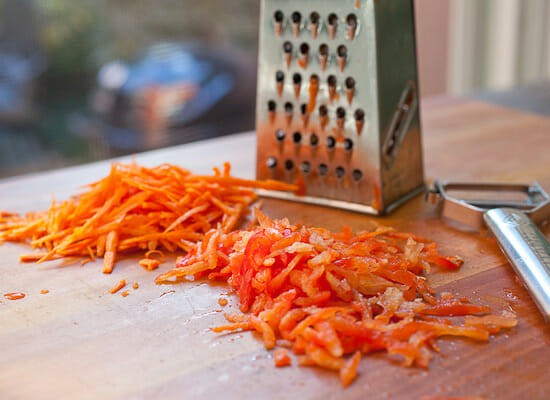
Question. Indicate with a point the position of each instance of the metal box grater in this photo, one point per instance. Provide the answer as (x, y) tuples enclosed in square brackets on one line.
[(337, 103)]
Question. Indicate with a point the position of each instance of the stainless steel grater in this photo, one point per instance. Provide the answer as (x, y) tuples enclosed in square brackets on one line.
[(337, 103)]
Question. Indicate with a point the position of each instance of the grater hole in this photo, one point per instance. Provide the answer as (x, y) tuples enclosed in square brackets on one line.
[(303, 108), (304, 48), (314, 79), (332, 21), (289, 165), (323, 50), (271, 105), (289, 107), (314, 24), (348, 144), (280, 135), (342, 51), (340, 113), (331, 81), (297, 79), (314, 139), (359, 115), (323, 169), (351, 21), (279, 76), (323, 110), (297, 137), (296, 17), (305, 167), (278, 16), (287, 47), (357, 175), (314, 18), (340, 172), (271, 162), (350, 83), (331, 142)]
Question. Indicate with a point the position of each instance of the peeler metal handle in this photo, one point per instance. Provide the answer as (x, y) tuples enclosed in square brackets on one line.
[(527, 250)]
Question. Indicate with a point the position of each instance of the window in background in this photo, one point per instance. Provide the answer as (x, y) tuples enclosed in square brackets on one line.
[(93, 79)]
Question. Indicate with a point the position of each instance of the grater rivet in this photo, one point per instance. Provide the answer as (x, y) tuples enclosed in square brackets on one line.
[(305, 167), (278, 19), (348, 144), (303, 57), (323, 115), (332, 25), (331, 82), (280, 81), (289, 111), (287, 53), (357, 175), (359, 120), (305, 114), (297, 81), (297, 137), (331, 142), (296, 19), (280, 135), (340, 172), (351, 22), (340, 117), (271, 162), (350, 89), (289, 165), (313, 140), (323, 169), (323, 56), (314, 24), (342, 56)]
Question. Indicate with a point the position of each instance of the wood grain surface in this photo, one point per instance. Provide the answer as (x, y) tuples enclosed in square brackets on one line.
[(80, 342)]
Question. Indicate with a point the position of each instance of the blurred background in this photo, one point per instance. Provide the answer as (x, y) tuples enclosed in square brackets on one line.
[(92, 79)]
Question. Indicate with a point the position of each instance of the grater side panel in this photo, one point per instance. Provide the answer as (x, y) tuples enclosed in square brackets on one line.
[(346, 167), (361, 66), (402, 173)]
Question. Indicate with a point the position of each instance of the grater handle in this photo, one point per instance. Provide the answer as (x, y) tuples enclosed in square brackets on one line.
[(527, 250)]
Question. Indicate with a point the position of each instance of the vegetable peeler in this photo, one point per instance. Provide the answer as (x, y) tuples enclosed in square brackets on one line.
[(512, 218)]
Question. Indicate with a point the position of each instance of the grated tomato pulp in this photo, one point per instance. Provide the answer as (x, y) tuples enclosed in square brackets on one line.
[(333, 297)]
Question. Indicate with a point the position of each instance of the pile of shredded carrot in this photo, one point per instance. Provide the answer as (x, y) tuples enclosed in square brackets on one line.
[(134, 208), (332, 297)]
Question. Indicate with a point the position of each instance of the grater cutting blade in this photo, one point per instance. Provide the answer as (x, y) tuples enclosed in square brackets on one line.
[(337, 102)]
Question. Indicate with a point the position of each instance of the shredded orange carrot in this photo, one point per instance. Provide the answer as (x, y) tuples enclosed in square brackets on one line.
[(135, 286), (332, 297), (281, 357), (134, 208), (149, 264), (125, 293), (111, 245), (222, 301), (44, 291), (155, 255), (118, 286)]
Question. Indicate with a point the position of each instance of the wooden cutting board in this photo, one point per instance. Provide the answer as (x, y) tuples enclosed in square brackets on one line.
[(80, 342)]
